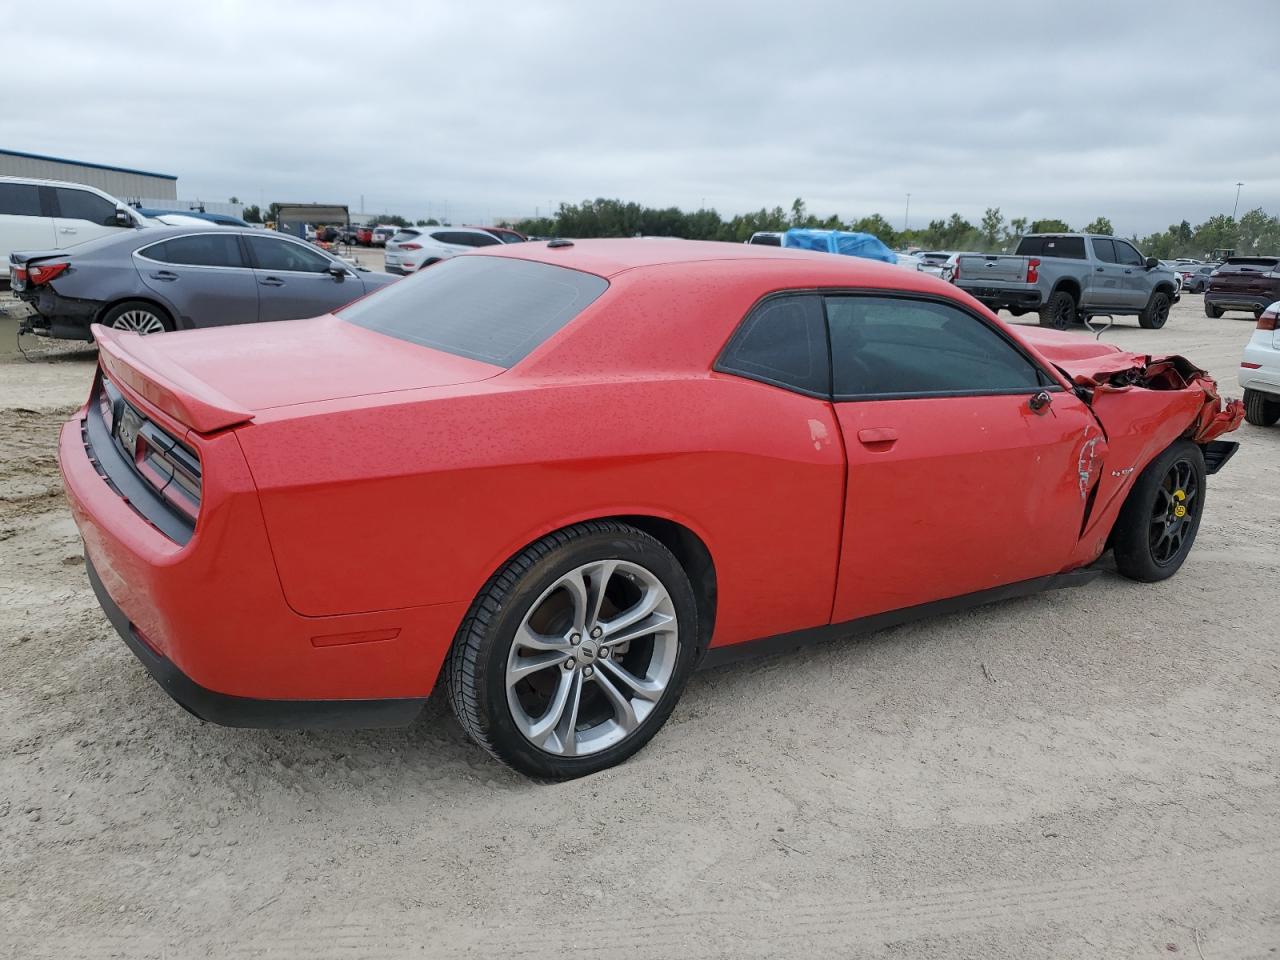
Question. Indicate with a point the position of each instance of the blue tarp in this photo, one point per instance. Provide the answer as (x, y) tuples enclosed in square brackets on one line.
[(840, 241)]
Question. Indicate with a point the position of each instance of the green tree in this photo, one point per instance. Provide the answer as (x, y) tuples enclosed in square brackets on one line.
[(992, 228), (1050, 226), (798, 213), (1017, 228), (252, 214), (1101, 225), (877, 226), (234, 200)]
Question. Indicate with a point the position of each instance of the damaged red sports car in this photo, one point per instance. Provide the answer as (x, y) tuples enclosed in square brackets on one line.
[(548, 480)]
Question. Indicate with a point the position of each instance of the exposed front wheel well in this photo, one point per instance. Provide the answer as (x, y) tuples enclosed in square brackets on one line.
[(693, 556)]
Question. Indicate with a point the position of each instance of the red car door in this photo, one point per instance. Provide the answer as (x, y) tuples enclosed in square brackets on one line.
[(957, 480)]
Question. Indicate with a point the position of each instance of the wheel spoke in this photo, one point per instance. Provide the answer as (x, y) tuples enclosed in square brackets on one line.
[(567, 728), (635, 620), (598, 582), (530, 639), (522, 667), (650, 690), (569, 687), (623, 712)]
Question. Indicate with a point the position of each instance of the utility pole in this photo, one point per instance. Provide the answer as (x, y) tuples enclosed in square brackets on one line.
[(907, 215), (1237, 206)]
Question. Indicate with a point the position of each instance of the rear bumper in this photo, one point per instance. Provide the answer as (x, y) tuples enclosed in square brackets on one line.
[(1228, 300), (233, 711), (1029, 299), (59, 316), (397, 270), (216, 629)]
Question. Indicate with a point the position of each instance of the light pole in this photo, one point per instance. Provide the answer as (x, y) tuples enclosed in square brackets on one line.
[(906, 216), (1237, 206)]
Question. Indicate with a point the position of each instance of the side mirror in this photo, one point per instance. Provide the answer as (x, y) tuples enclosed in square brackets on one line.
[(1152, 263), (337, 271), (123, 218)]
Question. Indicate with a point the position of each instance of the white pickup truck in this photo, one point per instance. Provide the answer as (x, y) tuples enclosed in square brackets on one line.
[(1067, 277)]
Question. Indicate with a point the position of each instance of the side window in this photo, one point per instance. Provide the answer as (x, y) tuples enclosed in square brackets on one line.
[(1070, 248), (19, 200), (1104, 250), (82, 205), (1128, 256), (200, 250), (782, 341), (270, 253), (895, 347)]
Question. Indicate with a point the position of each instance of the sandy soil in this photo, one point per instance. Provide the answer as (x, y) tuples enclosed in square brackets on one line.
[(1088, 773)]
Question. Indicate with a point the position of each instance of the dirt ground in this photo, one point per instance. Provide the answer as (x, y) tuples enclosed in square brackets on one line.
[(1087, 773)]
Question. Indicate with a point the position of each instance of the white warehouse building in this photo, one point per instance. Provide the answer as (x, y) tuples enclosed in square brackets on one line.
[(122, 183)]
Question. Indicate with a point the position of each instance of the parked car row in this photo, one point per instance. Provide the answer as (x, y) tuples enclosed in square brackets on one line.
[(178, 278)]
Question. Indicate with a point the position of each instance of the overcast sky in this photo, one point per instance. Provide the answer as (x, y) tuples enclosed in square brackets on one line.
[(1145, 113)]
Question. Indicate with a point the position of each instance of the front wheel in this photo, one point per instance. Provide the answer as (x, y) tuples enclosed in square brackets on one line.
[(1158, 523), (1261, 409), (1157, 312), (575, 652)]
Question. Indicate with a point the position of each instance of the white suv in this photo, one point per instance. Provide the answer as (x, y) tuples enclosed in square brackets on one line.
[(1260, 370), (416, 247), (52, 214)]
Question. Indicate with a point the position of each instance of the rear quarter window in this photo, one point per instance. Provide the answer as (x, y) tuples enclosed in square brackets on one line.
[(1071, 248), (492, 309)]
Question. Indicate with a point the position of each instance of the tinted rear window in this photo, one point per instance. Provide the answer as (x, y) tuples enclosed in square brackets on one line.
[(489, 309), (1071, 248), (19, 199), (1249, 264)]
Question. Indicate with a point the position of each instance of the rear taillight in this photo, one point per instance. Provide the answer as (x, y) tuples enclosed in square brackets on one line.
[(410, 246), (42, 273), (1033, 270), (1268, 319), (955, 272)]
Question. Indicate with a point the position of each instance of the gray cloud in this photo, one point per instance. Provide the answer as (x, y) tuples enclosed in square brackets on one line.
[(1143, 113)]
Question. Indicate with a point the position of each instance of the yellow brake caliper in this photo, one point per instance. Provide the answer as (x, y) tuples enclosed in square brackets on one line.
[(1179, 508)]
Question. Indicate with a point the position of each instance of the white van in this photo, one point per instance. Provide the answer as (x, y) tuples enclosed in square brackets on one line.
[(52, 214)]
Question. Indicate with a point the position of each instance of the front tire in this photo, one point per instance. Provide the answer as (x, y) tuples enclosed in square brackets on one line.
[(1261, 409), (1156, 313), (575, 652), (1160, 518), (138, 316), (1059, 311)]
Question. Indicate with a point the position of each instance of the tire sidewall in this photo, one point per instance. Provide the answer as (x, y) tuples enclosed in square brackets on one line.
[(1153, 320), (502, 731)]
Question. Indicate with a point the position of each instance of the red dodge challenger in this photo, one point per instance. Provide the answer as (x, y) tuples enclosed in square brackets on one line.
[(553, 478)]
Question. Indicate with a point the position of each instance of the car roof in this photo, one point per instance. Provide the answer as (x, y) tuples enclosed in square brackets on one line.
[(610, 257)]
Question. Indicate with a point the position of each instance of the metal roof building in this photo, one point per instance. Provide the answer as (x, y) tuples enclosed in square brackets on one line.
[(122, 183)]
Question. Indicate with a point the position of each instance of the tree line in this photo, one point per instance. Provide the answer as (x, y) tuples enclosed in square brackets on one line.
[(1256, 232)]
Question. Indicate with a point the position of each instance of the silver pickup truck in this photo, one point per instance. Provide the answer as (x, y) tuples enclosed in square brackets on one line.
[(1067, 277)]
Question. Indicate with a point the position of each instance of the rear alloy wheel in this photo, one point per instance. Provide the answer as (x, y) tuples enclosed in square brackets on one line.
[(1059, 312), (1160, 518), (1261, 409), (575, 653), (1156, 313), (137, 316), (1211, 311)]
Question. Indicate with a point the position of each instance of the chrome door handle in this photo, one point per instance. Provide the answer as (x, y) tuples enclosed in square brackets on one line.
[(67, 230)]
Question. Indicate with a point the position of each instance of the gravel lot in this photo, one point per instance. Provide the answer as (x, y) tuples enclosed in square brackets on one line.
[(1088, 773)]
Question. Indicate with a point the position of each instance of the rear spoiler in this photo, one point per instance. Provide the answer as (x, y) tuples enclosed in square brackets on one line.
[(135, 362)]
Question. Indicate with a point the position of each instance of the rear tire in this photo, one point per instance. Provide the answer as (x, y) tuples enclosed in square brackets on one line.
[(534, 676), (1160, 518), (1059, 312), (1211, 311), (1156, 313), (138, 316), (1261, 409)]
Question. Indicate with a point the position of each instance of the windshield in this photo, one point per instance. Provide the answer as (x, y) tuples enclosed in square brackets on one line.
[(492, 309)]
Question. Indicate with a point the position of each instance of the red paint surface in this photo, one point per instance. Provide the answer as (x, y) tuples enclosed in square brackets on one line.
[(360, 486)]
